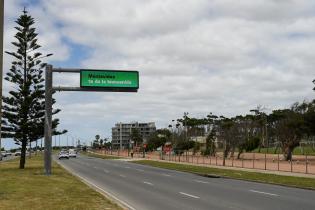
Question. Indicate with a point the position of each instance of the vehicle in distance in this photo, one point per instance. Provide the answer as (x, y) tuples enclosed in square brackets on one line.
[(63, 154), (17, 153), (8, 153), (72, 153)]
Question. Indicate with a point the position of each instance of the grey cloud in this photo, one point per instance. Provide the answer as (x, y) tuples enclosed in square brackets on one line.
[(198, 56)]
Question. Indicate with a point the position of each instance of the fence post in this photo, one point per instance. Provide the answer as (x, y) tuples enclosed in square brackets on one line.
[(306, 164), (278, 162), (233, 161), (197, 159), (265, 161), (242, 161), (203, 159), (216, 160), (254, 160), (210, 159)]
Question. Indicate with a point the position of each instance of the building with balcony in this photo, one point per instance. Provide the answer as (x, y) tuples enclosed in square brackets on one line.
[(122, 131)]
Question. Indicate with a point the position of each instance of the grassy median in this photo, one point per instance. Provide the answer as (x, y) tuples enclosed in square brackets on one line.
[(291, 181), (31, 189), (103, 156)]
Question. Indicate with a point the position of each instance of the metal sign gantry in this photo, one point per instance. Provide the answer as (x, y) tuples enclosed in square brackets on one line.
[(49, 89)]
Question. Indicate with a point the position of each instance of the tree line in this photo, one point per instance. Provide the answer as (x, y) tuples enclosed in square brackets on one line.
[(282, 128)]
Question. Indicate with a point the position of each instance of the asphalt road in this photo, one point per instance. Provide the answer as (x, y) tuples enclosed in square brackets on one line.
[(149, 188)]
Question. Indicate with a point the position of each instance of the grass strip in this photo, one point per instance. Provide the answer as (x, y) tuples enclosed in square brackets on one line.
[(103, 156), (29, 188), (291, 181)]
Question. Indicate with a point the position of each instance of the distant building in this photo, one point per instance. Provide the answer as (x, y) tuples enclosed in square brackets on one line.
[(121, 133)]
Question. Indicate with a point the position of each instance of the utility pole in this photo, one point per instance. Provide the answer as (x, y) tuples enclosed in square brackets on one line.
[(1, 64), (48, 119)]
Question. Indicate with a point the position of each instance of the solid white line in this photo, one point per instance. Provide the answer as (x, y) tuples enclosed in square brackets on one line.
[(255, 191), (122, 176), (106, 171), (166, 175), (149, 183), (104, 192), (199, 181), (193, 196), (140, 170)]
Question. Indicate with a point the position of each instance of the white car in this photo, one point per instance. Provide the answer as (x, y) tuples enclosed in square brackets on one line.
[(8, 153), (17, 153), (63, 154), (72, 153)]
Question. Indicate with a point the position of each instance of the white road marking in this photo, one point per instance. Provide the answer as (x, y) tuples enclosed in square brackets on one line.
[(127, 167), (192, 196), (90, 183), (122, 176), (95, 167), (199, 181), (255, 191), (106, 171), (149, 183), (166, 175), (140, 170)]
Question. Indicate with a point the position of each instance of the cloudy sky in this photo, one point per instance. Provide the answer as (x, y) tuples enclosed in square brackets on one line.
[(196, 56)]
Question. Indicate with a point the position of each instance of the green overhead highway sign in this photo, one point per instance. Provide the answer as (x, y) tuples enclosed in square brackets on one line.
[(109, 79), (91, 80)]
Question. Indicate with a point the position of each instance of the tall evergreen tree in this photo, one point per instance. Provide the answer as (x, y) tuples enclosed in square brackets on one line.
[(24, 107)]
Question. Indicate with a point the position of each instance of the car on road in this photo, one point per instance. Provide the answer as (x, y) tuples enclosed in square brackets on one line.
[(63, 155), (8, 153), (17, 153), (3, 154), (72, 153)]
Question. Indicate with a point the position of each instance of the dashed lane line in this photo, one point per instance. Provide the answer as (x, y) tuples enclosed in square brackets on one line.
[(148, 183), (199, 181), (189, 195), (261, 192)]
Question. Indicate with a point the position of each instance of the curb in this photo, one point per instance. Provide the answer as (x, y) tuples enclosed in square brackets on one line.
[(106, 194)]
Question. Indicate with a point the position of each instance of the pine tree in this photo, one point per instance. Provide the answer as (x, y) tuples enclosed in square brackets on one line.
[(24, 107)]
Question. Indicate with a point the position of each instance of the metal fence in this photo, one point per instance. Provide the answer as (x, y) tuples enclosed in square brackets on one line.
[(273, 162)]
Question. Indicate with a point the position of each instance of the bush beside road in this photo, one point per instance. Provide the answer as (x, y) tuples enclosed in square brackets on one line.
[(292, 181), (31, 189)]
